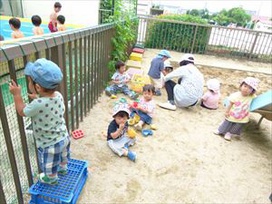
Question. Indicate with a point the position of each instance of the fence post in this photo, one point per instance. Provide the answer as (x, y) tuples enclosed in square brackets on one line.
[(192, 48), (253, 45), (9, 146), (58, 56), (21, 129), (2, 195)]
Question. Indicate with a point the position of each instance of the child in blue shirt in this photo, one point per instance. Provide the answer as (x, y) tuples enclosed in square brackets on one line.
[(156, 70), (119, 82), (47, 114), (117, 138)]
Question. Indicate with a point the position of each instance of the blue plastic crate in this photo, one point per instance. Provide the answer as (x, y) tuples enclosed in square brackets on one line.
[(68, 188)]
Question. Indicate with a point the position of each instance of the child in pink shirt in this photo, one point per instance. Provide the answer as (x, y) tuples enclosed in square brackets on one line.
[(210, 99), (145, 107)]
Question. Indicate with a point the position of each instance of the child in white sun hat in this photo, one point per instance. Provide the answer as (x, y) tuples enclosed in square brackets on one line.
[(237, 113), (210, 99), (117, 138)]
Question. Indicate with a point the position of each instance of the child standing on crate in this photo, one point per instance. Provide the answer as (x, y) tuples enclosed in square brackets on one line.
[(145, 108), (47, 114), (156, 70), (237, 113), (117, 138), (119, 82)]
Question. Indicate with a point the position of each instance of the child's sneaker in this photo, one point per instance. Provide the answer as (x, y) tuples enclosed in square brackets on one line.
[(216, 132), (228, 136), (158, 93), (63, 170), (108, 93), (47, 180), (134, 96), (132, 156)]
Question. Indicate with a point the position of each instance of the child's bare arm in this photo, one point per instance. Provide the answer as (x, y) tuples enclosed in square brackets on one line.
[(228, 109), (18, 100)]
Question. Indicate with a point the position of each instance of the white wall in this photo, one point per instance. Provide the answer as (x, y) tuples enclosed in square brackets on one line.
[(81, 12)]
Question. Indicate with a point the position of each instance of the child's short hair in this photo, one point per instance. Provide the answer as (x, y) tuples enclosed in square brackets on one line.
[(149, 88), (119, 64), (36, 20), (61, 19), (15, 22), (57, 5)]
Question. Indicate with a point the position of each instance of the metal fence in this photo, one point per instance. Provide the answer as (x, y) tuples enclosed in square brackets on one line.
[(83, 56), (205, 39)]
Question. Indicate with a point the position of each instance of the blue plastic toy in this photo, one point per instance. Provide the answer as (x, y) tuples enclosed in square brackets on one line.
[(147, 132)]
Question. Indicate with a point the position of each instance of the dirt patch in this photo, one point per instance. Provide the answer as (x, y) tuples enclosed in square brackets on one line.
[(183, 162)]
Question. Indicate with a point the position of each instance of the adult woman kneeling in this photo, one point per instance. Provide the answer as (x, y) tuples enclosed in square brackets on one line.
[(189, 88)]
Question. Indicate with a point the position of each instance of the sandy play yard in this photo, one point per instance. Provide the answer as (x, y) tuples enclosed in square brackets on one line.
[(183, 162)]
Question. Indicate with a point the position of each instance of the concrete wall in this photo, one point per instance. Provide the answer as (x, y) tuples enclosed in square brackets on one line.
[(82, 12)]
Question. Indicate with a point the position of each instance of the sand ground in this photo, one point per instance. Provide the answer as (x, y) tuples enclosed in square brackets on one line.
[(183, 162)]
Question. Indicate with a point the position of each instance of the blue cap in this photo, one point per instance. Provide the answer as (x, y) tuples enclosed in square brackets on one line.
[(165, 53), (44, 72)]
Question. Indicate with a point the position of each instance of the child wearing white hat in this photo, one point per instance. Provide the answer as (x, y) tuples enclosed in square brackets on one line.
[(210, 99), (237, 113), (117, 138)]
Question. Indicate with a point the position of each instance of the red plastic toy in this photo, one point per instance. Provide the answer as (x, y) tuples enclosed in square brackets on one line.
[(135, 104), (76, 134)]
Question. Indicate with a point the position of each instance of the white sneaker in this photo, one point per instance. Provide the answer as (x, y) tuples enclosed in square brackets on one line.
[(228, 136), (216, 132), (168, 106)]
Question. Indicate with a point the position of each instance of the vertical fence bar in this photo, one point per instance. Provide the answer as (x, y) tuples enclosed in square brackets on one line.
[(194, 39), (2, 195), (88, 72), (24, 140), (58, 56), (21, 129), (76, 81), (10, 150), (96, 65), (261, 48), (80, 79), (92, 71), (85, 75), (71, 87), (100, 67), (253, 45)]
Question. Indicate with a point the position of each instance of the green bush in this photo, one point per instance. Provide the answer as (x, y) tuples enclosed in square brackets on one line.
[(177, 36)]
